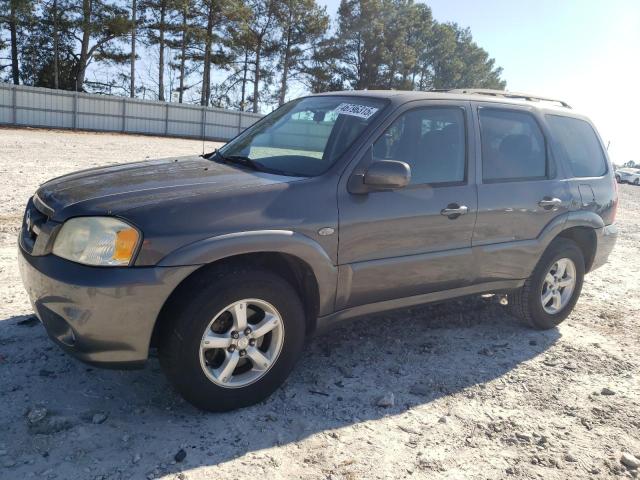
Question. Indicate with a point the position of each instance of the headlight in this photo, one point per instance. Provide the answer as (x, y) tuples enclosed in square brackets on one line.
[(104, 241)]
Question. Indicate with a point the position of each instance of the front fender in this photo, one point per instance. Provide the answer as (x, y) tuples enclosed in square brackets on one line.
[(263, 241)]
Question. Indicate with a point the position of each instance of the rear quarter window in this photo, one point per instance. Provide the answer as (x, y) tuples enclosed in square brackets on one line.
[(575, 141)]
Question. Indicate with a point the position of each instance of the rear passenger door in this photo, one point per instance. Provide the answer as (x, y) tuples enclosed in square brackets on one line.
[(520, 190), (417, 239)]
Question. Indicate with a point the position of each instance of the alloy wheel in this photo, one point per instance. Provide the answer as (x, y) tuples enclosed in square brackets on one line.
[(241, 343), (558, 285)]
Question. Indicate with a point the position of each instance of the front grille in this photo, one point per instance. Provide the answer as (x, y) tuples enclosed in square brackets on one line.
[(37, 231)]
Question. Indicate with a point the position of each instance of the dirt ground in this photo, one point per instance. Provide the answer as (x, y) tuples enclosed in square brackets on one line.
[(475, 395)]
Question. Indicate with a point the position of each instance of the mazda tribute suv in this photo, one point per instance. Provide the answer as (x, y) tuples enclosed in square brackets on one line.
[(333, 206)]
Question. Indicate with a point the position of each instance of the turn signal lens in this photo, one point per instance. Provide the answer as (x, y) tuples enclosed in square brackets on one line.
[(126, 241)]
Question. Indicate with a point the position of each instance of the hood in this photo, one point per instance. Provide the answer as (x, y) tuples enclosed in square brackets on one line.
[(118, 188)]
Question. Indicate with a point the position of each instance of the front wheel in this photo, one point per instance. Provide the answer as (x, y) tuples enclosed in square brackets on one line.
[(550, 293), (234, 341), (636, 181)]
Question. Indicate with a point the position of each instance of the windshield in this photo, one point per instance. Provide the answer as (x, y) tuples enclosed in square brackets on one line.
[(306, 136)]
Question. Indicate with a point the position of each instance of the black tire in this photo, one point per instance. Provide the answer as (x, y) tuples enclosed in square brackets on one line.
[(636, 182), (525, 303), (179, 343), (618, 179)]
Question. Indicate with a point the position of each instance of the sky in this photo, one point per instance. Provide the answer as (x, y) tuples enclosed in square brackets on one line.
[(584, 52)]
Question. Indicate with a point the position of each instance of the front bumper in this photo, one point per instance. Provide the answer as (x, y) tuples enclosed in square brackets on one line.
[(605, 241), (101, 315)]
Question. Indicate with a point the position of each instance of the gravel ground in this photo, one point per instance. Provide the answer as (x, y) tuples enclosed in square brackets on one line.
[(460, 390)]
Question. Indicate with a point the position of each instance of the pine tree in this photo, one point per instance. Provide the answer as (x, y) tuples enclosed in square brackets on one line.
[(260, 30), (302, 24), (397, 44), (360, 38), (240, 47), (97, 24), (209, 34), (132, 56), (322, 73), (46, 51), (158, 28), (183, 29), (17, 14)]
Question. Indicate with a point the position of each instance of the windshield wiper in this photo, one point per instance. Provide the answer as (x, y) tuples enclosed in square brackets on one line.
[(238, 160), (245, 161)]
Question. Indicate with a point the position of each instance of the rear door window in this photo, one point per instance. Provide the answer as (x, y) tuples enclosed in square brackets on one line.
[(575, 141), (513, 146)]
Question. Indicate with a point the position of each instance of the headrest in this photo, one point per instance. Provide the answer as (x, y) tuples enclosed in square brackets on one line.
[(516, 145)]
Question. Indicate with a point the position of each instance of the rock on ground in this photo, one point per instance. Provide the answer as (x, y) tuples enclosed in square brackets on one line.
[(630, 460)]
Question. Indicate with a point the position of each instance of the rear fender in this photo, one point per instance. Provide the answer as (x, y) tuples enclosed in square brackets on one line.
[(516, 260)]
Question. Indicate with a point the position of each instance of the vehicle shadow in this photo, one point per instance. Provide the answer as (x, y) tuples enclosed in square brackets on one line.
[(419, 355)]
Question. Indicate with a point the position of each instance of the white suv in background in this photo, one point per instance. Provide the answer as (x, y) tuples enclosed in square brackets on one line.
[(628, 175)]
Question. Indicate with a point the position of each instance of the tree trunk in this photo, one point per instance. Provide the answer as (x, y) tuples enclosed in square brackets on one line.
[(392, 74), (84, 47), (256, 77), (359, 63), (423, 77), (206, 75), (163, 11), (285, 65), (245, 69), (56, 47), (183, 50), (13, 28), (134, 28)]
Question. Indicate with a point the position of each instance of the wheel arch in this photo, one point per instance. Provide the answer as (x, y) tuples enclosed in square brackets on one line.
[(296, 258), (579, 227), (585, 238)]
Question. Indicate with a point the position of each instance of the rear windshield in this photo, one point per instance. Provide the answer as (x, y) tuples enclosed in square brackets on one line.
[(577, 144), (306, 136)]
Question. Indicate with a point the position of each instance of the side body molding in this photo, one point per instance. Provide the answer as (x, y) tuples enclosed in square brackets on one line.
[(263, 241)]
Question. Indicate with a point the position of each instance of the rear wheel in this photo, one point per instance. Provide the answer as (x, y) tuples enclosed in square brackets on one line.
[(618, 179), (636, 181), (235, 341), (550, 293)]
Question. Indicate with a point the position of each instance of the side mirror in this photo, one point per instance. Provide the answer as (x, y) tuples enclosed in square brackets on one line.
[(381, 175)]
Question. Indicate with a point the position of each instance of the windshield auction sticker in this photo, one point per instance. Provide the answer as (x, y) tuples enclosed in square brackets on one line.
[(354, 110)]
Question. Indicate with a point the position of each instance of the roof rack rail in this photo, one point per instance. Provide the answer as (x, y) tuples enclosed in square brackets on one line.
[(504, 94)]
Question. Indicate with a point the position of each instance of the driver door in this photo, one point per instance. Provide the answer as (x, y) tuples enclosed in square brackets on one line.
[(417, 239)]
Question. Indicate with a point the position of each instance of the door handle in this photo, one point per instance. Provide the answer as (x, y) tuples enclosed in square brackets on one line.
[(549, 203), (454, 210)]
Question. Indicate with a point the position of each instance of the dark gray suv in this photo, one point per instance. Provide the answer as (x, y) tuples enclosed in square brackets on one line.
[(333, 206)]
